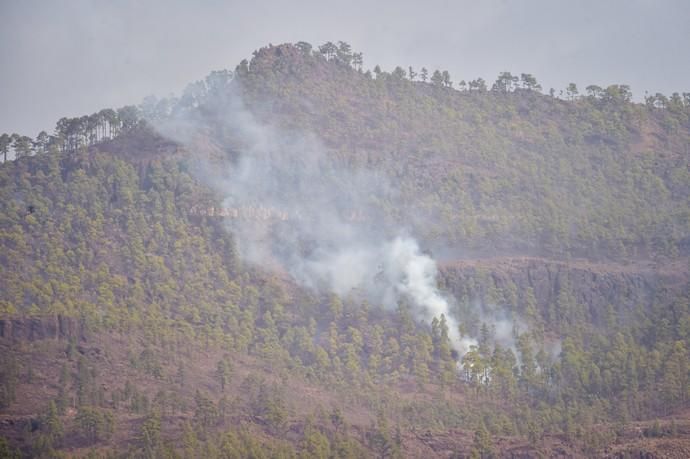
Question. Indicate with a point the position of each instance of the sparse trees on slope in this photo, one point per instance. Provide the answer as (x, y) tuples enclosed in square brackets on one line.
[(357, 61), (53, 423), (23, 146), (424, 74), (478, 85), (128, 116), (505, 82), (206, 413), (109, 117), (223, 372), (41, 142), (377, 71), (150, 435), (437, 78), (529, 82), (398, 73), (344, 53), (446, 79), (329, 50), (594, 91), (304, 47), (95, 424), (5, 142), (617, 93), (571, 91)]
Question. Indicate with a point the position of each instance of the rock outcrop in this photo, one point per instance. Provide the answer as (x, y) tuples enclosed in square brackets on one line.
[(40, 328)]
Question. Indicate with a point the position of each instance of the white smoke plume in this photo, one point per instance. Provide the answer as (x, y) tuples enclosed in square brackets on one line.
[(394, 269), (331, 225), (414, 274), (332, 232)]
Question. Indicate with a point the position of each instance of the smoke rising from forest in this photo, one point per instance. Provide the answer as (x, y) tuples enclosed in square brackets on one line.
[(330, 232)]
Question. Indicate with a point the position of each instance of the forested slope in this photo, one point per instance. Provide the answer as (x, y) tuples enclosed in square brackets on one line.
[(596, 175), (567, 218)]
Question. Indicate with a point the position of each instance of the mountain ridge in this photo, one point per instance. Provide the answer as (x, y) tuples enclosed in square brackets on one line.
[(550, 216)]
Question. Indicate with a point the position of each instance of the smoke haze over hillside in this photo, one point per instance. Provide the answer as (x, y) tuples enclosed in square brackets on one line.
[(319, 243)]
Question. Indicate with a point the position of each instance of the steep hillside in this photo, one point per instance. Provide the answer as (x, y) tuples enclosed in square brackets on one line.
[(159, 294), (518, 170)]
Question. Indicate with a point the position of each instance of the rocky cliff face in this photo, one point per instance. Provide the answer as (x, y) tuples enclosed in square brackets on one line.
[(592, 285), (39, 328)]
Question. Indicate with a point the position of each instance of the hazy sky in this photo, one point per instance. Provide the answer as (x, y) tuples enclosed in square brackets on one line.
[(74, 57)]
